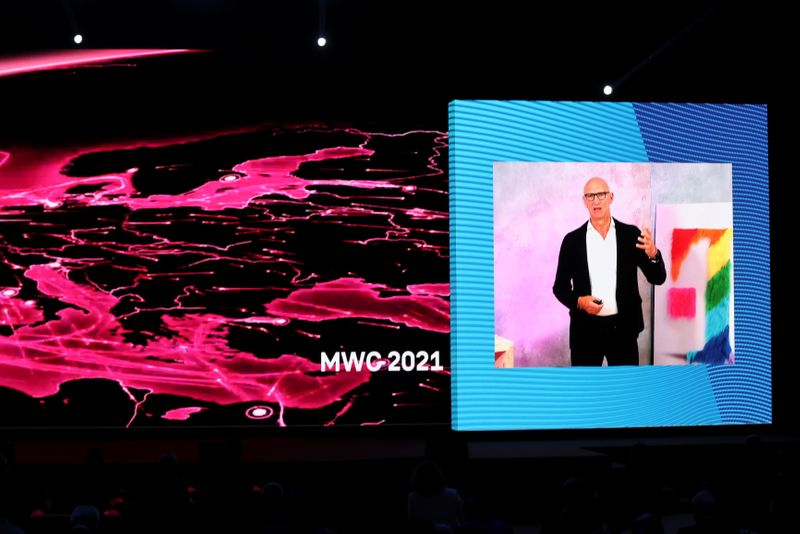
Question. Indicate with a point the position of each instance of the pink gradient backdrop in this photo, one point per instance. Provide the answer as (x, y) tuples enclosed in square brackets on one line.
[(535, 205)]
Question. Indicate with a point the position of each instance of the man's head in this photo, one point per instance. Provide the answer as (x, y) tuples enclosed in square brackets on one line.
[(598, 198)]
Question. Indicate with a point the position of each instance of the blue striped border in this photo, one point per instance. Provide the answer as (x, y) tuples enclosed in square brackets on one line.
[(735, 134), (485, 398)]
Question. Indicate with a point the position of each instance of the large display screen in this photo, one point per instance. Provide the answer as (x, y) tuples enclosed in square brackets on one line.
[(610, 265), (183, 247), (180, 251)]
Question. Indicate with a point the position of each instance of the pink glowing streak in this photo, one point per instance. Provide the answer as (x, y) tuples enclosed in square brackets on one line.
[(370, 323), (67, 59), (271, 175), (340, 413), (181, 414), (353, 297), (430, 289), (88, 343), (33, 169), (137, 404), (265, 176)]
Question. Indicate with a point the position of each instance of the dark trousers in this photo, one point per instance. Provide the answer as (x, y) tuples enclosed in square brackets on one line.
[(604, 337)]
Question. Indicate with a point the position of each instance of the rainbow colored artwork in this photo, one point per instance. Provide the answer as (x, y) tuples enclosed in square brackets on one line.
[(717, 348)]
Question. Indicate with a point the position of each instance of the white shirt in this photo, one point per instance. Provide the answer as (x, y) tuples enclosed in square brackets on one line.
[(601, 255)]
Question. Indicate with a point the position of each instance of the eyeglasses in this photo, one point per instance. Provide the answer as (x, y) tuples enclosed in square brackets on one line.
[(599, 196)]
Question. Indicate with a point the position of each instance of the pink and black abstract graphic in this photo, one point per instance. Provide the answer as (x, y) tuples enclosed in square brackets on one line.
[(196, 281)]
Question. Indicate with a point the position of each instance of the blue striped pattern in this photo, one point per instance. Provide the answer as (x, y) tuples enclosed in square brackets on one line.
[(557, 398), (736, 134), (485, 398)]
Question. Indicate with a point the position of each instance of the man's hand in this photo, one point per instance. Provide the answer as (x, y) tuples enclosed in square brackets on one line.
[(647, 244), (589, 304)]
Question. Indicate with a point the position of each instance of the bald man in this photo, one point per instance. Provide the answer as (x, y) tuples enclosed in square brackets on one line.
[(596, 280)]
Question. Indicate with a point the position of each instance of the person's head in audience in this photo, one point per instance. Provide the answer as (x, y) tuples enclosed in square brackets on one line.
[(427, 479), (84, 518), (704, 507), (272, 500)]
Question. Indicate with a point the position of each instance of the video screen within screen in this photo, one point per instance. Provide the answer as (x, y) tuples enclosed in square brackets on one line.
[(609, 265)]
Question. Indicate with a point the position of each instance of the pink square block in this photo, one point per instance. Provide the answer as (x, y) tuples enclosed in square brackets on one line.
[(681, 302)]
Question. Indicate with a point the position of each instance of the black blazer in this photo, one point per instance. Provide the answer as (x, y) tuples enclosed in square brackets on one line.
[(572, 280)]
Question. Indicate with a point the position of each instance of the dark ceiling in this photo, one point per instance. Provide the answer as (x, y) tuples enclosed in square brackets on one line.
[(678, 51)]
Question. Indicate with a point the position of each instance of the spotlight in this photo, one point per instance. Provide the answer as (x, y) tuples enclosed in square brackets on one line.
[(322, 42), (607, 90), (78, 38)]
